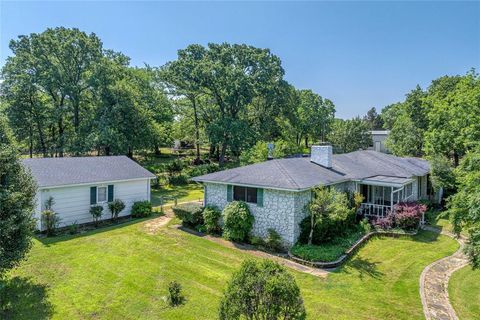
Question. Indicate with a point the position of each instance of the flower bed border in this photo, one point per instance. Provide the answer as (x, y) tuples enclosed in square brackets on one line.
[(351, 250)]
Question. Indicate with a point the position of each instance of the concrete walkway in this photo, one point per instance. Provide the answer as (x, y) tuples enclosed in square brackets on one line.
[(434, 283)]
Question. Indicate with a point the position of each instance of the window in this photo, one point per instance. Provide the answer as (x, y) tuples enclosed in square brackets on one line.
[(101, 194), (245, 194), (408, 190)]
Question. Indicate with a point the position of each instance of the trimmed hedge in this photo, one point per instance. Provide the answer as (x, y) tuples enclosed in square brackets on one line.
[(211, 219), (189, 213), (237, 221), (141, 209)]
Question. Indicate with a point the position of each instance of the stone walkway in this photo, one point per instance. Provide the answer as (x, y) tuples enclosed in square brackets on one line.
[(258, 253), (434, 283)]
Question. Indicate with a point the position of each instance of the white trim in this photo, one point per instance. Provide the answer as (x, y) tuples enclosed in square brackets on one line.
[(93, 183)]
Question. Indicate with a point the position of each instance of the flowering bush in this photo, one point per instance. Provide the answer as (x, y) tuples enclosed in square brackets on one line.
[(384, 223), (408, 214)]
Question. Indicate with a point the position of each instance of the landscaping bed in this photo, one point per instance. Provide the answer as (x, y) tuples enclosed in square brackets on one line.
[(332, 255)]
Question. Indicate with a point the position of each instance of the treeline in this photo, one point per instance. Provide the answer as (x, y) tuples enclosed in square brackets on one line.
[(65, 94)]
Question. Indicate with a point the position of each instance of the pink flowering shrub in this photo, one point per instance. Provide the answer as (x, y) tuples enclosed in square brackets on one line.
[(408, 214), (384, 223)]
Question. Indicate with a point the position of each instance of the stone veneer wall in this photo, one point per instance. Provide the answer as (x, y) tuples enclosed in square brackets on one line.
[(281, 211)]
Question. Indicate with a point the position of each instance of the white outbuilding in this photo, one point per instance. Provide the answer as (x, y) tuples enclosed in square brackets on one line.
[(77, 183)]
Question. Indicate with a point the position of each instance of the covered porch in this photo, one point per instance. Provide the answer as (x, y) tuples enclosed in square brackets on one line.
[(382, 193)]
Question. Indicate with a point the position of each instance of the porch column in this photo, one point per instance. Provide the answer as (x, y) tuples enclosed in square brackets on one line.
[(391, 200)]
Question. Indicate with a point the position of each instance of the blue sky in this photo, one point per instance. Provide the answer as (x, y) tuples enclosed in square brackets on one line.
[(358, 54)]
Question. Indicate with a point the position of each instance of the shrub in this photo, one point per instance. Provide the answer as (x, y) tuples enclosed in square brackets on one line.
[(273, 241), (115, 207), (211, 219), (50, 221), (330, 251), (408, 214), (237, 221), (262, 290), (73, 228), (180, 179), (189, 213), (175, 296), (141, 209), (257, 241), (384, 223), (365, 225), (96, 212)]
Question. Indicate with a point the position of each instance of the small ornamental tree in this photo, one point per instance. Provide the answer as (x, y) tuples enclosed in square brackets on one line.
[(237, 221), (262, 290), (115, 207), (96, 212), (17, 194), (327, 207)]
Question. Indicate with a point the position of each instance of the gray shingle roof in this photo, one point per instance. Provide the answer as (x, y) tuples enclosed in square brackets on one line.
[(301, 173), (50, 172)]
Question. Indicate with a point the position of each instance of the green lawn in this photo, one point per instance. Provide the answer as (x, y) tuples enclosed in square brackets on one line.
[(464, 292), (122, 273), (188, 192)]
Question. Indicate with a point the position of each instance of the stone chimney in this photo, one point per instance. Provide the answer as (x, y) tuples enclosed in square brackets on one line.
[(322, 155)]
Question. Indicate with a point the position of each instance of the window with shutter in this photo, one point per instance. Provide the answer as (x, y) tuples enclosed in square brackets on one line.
[(260, 197), (229, 193), (110, 192), (93, 195)]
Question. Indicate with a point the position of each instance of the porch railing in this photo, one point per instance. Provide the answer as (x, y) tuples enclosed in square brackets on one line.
[(376, 210)]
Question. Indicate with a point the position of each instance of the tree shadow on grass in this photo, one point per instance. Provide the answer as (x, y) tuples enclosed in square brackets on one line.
[(86, 231), (427, 236), (21, 298), (365, 268)]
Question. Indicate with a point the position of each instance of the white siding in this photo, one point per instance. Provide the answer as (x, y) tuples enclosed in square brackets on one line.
[(72, 204)]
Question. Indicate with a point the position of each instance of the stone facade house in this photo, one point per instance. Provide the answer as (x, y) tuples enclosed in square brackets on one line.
[(277, 191)]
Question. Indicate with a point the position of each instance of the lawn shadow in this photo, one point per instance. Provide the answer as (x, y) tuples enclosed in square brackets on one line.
[(124, 222), (21, 298), (427, 236), (364, 267)]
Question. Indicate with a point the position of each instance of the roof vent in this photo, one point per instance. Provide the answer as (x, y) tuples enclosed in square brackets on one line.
[(322, 155)]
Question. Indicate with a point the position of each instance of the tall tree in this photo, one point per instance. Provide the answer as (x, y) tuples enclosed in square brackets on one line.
[(464, 206), (17, 194), (182, 79), (350, 135), (454, 116), (407, 133), (314, 116), (374, 120), (232, 76)]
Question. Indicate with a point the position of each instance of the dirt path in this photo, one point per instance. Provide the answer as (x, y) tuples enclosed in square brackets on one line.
[(152, 226), (434, 283)]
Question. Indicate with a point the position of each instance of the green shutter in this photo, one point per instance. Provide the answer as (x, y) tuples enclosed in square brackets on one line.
[(260, 197), (229, 193), (110, 192), (93, 195)]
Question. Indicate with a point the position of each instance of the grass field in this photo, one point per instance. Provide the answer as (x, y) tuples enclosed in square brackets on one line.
[(188, 192), (464, 292), (122, 272)]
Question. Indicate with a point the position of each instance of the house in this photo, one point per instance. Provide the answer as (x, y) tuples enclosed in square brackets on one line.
[(77, 183), (378, 140), (277, 191)]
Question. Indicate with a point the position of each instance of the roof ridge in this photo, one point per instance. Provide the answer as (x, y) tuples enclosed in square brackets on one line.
[(284, 171)]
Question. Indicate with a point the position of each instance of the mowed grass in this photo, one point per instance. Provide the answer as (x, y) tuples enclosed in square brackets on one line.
[(464, 293), (123, 273), (183, 193)]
